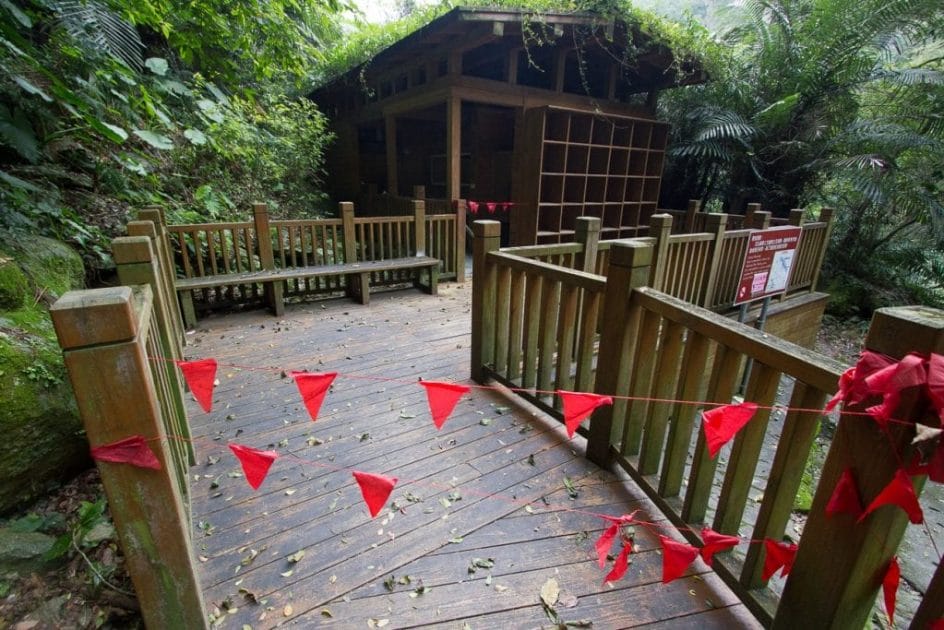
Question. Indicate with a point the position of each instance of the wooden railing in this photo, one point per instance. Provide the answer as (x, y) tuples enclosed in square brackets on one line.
[(119, 346), (665, 360), (203, 249), (701, 268)]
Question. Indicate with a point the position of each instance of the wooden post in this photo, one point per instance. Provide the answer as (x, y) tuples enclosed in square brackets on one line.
[(825, 216), (419, 192), (932, 604), (161, 244), (841, 563), (715, 224), (660, 227), (760, 220), (487, 238), (752, 209), (587, 233), (390, 136), (629, 268), (797, 216), (460, 239), (419, 227), (138, 263), (691, 213), (273, 290), (453, 148), (101, 334)]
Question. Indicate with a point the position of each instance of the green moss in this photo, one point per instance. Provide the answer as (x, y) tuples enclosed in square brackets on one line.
[(43, 440), (14, 287)]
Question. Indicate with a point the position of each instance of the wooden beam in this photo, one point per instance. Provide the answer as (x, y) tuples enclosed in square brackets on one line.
[(560, 68), (390, 136), (453, 147)]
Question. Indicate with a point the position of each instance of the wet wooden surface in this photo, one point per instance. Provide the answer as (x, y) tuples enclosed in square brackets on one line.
[(489, 487)]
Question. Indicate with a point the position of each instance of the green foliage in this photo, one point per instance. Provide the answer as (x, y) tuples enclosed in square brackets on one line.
[(93, 122)]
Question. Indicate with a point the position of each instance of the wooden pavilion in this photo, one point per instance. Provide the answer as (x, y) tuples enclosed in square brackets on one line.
[(549, 116)]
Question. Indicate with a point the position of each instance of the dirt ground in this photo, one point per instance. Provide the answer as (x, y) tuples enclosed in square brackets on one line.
[(71, 592)]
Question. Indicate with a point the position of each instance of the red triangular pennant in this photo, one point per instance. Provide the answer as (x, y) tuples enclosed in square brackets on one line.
[(604, 542), (900, 492), (723, 423), (676, 558), (255, 463), (936, 384), (375, 489), (200, 376), (713, 542), (131, 450), (845, 383), (313, 388), (845, 498), (891, 380), (779, 556), (442, 399), (579, 405), (937, 624), (491, 207), (890, 589), (474, 207), (620, 565)]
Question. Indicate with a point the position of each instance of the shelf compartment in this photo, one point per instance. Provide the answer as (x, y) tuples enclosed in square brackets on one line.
[(634, 190), (602, 132), (575, 188), (549, 218), (637, 162), (654, 163), (554, 158), (556, 126), (552, 188), (599, 161), (623, 133), (577, 159), (580, 128), (596, 189), (612, 215)]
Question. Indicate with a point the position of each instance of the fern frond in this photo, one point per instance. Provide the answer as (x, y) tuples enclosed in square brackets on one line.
[(94, 26)]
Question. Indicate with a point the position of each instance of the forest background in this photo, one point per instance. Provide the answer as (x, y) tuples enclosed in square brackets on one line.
[(106, 105)]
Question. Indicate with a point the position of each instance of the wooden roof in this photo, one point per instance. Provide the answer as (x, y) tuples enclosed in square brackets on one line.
[(477, 36)]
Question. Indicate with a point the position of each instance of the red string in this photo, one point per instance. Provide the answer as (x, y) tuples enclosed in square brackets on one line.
[(536, 392)]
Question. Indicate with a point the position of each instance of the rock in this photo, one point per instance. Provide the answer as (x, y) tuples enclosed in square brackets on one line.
[(23, 550), (43, 439), (14, 287)]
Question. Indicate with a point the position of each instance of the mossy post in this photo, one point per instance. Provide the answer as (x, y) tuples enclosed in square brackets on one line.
[(103, 334), (841, 562)]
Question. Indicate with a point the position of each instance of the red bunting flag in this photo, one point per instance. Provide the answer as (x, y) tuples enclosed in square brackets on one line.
[(604, 542), (491, 207), (852, 385), (890, 589), (474, 207), (721, 424), (779, 556), (200, 376), (442, 399), (889, 383), (676, 558), (579, 405), (619, 565), (900, 492), (255, 463), (313, 388), (936, 384), (845, 498), (375, 489), (713, 542), (131, 450), (845, 383), (505, 206), (937, 624)]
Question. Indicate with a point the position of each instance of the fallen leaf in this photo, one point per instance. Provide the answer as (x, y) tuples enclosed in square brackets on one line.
[(290, 492), (420, 591), (363, 437), (500, 589), (485, 422), (326, 613), (389, 583), (580, 623), (456, 540), (407, 416), (249, 595), (287, 573), (571, 490), (313, 441), (288, 610), (550, 592), (297, 556), (480, 563)]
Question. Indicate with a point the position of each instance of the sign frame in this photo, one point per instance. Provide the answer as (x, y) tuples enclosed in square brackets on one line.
[(768, 264)]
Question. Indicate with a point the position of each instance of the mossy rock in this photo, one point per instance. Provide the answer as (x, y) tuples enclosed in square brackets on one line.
[(43, 438), (14, 287)]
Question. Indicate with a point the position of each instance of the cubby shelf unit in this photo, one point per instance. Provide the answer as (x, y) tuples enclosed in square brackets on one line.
[(582, 163)]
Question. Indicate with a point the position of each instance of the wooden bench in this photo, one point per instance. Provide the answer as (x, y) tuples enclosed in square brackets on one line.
[(358, 283)]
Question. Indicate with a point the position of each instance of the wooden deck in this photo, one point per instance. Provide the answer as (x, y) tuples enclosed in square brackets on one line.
[(462, 493)]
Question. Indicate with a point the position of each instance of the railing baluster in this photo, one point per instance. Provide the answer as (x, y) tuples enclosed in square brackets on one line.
[(638, 408), (515, 323), (566, 331), (532, 326), (666, 379)]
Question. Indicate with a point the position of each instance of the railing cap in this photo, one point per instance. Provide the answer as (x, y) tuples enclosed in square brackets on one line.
[(486, 228), (142, 228), (630, 254), (131, 249), (94, 317)]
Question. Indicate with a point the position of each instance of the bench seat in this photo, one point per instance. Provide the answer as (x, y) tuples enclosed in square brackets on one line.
[(358, 272)]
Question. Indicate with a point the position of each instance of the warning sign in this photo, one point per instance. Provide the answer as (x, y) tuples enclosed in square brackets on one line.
[(767, 263)]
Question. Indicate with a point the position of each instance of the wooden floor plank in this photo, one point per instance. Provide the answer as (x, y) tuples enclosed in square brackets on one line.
[(490, 484)]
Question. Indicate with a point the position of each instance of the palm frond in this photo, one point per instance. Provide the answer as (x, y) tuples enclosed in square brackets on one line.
[(94, 26)]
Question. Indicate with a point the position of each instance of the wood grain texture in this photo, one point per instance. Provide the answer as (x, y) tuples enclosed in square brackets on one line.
[(462, 494)]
